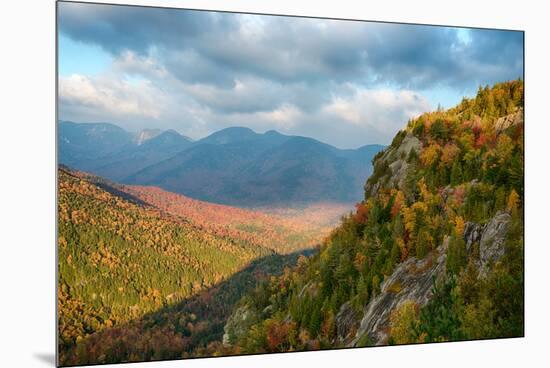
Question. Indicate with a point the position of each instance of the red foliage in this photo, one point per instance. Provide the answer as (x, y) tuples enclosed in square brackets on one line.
[(361, 213), (278, 334), (268, 227)]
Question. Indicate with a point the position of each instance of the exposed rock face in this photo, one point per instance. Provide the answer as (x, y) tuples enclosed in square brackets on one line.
[(347, 322), (508, 121), (238, 324), (492, 242), (412, 280), (472, 234), (398, 166)]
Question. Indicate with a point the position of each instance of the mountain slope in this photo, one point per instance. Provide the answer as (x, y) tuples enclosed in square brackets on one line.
[(233, 166), (127, 252), (119, 260), (82, 142), (239, 167), (111, 151), (444, 203), (282, 234), (134, 158), (145, 135)]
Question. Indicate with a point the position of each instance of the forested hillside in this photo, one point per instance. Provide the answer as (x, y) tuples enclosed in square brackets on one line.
[(234, 166), (433, 253), (282, 230), (121, 259)]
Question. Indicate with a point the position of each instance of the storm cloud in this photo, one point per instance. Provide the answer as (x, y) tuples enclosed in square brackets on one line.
[(323, 78)]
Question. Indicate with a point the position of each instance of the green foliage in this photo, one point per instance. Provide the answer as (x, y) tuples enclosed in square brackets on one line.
[(464, 172), (439, 130), (456, 173), (440, 319), (493, 306), (403, 321), (148, 283), (457, 257)]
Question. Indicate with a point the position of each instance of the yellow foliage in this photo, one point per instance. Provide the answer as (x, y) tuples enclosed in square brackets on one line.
[(420, 206), (359, 261), (398, 202), (426, 196), (459, 225), (403, 248), (402, 320), (409, 218), (430, 154), (504, 148), (449, 153), (513, 201), (395, 288)]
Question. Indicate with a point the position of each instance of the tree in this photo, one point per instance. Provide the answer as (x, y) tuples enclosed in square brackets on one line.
[(423, 244), (456, 173), (449, 154), (459, 226), (315, 321), (439, 319), (513, 202), (439, 130), (398, 203), (457, 256), (430, 154), (403, 321)]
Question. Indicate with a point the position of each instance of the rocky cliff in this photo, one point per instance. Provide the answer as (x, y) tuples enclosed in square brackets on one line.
[(413, 279), (443, 207)]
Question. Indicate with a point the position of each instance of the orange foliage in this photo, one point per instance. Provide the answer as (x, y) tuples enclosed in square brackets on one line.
[(361, 214), (278, 334), (430, 154), (449, 153), (282, 229)]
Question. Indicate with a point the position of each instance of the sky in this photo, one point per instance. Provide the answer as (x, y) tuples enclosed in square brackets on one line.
[(346, 83)]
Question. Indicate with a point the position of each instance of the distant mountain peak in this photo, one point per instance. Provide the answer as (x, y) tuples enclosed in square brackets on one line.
[(230, 135), (171, 131), (272, 132), (145, 135)]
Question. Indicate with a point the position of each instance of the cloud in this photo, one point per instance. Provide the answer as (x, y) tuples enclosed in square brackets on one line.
[(345, 82), (215, 48), (378, 111), (111, 96)]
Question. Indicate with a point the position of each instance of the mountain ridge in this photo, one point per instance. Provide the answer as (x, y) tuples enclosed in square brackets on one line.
[(224, 167), (433, 253)]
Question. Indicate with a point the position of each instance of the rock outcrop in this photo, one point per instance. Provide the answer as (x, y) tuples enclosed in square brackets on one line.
[(412, 280), (492, 242), (472, 234), (238, 324), (396, 160), (508, 121), (347, 322)]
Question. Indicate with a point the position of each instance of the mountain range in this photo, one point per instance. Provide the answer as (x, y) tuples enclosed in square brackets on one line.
[(434, 252), (235, 166)]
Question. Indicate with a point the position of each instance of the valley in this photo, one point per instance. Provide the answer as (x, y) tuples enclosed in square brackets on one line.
[(151, 267), (132, 253), (234, 166)]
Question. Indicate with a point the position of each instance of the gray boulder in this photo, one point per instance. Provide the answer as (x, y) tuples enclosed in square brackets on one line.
[(347, 322), (413, 281), (492, 242), (238, 324), (508, 121), (396, 159)]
